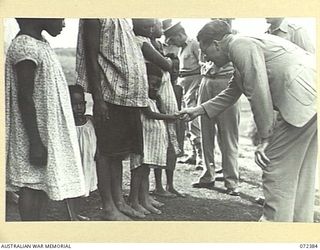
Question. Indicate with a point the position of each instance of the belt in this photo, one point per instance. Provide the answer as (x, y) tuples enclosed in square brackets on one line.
[(185, 74)]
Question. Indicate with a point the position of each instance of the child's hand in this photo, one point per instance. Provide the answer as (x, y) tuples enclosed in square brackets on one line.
[(189, 114)]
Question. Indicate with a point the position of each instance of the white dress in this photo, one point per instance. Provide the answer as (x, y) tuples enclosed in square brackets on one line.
[(63, 176), (88, 147)]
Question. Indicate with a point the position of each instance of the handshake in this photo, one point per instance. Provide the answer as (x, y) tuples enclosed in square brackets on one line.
[(189, 114)]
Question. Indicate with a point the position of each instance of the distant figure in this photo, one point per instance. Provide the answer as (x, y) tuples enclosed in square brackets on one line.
[(292, 32), (43, 157), (189, 79)]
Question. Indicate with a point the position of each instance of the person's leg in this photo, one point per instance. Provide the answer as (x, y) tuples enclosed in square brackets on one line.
[(104, 187), (30, 204), (42, 204), (145, 199), (158, 180), (305, 196), (135, 184), (159, 190), (116, 188), (228, 133), (287, 150), (191, 85), (71, 205), (208, 131), (171, 164)]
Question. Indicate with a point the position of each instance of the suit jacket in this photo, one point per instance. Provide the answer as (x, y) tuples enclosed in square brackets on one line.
[(273, 73)]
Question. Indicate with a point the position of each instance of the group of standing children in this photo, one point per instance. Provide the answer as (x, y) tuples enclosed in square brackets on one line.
[(54, 150)]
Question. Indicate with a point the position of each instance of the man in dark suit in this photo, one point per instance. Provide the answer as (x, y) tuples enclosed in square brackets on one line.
[(273, 74)]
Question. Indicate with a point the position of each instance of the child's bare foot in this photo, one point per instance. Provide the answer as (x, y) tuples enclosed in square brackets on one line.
[(139, 208), (177, 193), (126, 209), (151, 208), (115, 215), (163, 193), (155, 203)]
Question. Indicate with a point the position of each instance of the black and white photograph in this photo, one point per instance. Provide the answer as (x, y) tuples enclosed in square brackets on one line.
[(161, 119)]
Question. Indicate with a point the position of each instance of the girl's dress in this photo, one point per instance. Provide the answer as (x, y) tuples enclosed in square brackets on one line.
[(88, 147), (169, 106), (63, 176), (169, 102), (155, 141)]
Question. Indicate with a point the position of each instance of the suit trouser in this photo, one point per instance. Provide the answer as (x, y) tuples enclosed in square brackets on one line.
[(190, 85), (289, 179), (227, 133)]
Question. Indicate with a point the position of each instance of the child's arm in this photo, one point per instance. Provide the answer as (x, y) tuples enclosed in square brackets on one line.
[(25, 76), (157, 116), (152, 55), (92, 43)]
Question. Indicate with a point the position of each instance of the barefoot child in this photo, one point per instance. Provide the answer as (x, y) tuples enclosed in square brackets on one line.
[(155, 142), (42, 152), (88, 147), (168, 93)]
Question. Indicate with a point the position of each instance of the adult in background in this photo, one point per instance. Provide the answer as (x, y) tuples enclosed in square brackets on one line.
[(110, 65), (294, 33), (224, 126), (189, 79), (273, 74)]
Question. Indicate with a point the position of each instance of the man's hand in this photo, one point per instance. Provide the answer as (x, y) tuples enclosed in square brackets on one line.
[(189, 114), (38, 154), (100, 112), (260, 157)]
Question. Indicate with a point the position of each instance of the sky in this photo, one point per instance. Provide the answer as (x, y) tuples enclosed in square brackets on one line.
[(251, 26)]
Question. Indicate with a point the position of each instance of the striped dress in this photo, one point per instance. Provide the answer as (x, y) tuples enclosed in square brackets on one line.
[(155, 141)]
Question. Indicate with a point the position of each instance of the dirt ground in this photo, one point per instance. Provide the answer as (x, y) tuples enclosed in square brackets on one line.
[(199, 204)]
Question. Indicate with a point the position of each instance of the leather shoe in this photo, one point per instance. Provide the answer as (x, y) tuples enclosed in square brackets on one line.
[(233, 191), (190, 160), (203, 184)]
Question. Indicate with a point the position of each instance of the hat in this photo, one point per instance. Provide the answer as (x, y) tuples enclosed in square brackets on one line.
[(172, 30), (166, 23)]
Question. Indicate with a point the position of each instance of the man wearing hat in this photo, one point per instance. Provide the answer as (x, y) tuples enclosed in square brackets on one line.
[(189, 79)]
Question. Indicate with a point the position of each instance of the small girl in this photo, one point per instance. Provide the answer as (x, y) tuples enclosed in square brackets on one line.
[(155, 143), (88, 146), (42, 151)]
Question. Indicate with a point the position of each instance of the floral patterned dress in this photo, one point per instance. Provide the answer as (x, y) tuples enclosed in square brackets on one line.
[(63, 176)]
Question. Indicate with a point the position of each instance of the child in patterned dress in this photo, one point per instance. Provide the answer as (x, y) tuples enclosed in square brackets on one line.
[(88, 147), (42, 152), (155, 144)]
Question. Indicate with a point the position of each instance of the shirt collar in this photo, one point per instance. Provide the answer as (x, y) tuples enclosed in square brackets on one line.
[(225, 42), (283, 27)]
